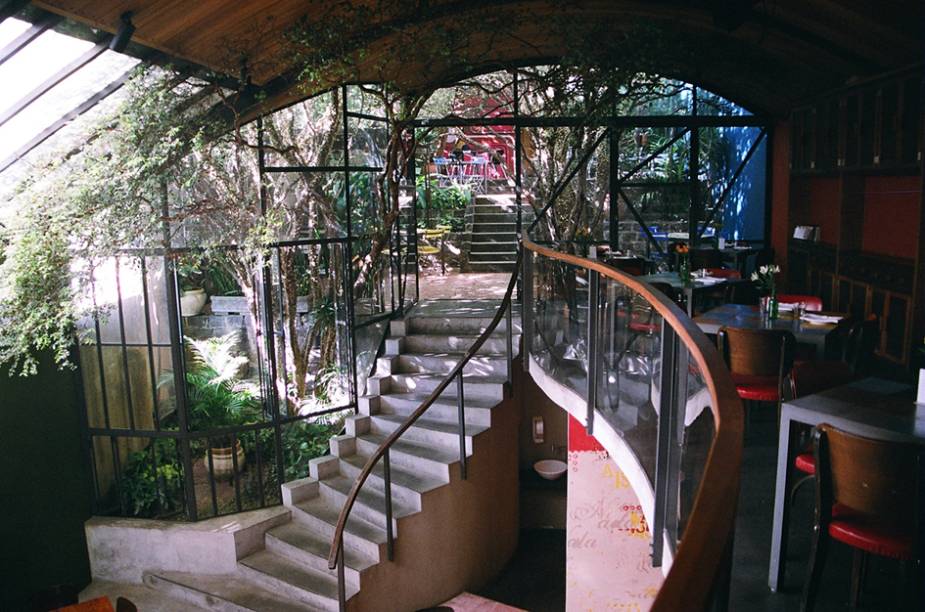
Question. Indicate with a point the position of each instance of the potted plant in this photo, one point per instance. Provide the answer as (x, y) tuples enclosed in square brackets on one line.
[(218, 400), (192, 296)]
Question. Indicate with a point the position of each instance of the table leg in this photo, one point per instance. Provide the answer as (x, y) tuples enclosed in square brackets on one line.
[(781, 508)]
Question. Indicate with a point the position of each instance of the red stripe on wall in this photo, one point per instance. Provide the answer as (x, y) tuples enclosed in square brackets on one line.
[(578, 438)]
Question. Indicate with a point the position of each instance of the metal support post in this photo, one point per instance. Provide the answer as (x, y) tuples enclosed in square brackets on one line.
[(460, 406), (594, 353)]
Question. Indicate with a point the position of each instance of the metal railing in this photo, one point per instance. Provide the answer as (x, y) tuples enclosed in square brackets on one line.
[(336, 554), (656, 405), (702, 556)]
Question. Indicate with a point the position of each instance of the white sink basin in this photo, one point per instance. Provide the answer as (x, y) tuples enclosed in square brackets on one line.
[(550, 469)]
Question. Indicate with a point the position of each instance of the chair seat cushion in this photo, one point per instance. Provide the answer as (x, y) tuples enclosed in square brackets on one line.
[(806, 463), (865, 532), (756, 388)]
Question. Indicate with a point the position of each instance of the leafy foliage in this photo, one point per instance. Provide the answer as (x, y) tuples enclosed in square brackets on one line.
[(149, 491)]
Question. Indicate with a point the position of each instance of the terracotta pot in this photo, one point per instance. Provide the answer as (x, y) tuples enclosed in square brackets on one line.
[(192, 301), (223, 461)]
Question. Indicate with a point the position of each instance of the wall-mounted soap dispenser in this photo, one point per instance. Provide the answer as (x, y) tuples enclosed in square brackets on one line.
[(538, 429)]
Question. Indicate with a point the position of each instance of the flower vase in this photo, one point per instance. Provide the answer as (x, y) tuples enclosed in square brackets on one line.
[(684, 271), (772, 305)]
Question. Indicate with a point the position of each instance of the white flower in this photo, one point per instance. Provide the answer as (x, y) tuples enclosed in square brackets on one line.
[(754, 276), (774, 268), (763, 270)]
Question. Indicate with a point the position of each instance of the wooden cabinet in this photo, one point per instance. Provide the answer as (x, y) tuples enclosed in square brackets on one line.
[(870, 127)]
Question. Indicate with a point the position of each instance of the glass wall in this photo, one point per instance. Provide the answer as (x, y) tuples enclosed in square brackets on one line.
[(215, 370)]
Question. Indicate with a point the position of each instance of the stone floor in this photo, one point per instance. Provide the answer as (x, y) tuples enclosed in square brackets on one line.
[(456, 285)]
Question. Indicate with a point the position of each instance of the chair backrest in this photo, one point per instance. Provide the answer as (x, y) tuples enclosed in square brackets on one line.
[(813, 303), (757, 352), (862, 340), (673, 294), (724, 273), (742, 292), (873, 477), (810, 377), (706, 258)]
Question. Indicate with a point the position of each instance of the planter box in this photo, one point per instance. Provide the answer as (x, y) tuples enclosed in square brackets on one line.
[(237, 304)]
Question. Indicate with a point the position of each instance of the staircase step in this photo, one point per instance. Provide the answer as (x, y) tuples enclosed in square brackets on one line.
[(491, 266), (507, 257), (481, 216), (402, 478), (321, 515), (411, 456), (285, 577), (458, 323), (426, 432), (443, 363), (496, 344), (307, 548), (221, 592), (478, 411), (487, 387), (370, 503)]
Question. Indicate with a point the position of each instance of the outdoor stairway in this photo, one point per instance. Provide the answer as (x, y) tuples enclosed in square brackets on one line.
[(492, 239), (290, 571)]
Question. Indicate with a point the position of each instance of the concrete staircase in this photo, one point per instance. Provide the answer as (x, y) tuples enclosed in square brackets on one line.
[(288, 569), (491, 239)]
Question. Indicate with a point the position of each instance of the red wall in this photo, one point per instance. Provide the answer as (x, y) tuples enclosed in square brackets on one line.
[(816, 201), (780, 194), (891, 216)]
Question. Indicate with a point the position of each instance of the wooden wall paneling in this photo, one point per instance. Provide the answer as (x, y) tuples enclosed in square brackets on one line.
[(867, 129), (852, 130), (918, 285)]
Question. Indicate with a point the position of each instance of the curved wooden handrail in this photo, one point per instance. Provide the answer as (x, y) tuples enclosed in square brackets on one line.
[(704, 545), (336, 541)]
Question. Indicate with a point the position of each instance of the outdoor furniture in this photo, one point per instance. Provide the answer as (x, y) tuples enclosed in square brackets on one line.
[(868, 496), (812, 303), (739, 315), (759, 360), (869, 407)]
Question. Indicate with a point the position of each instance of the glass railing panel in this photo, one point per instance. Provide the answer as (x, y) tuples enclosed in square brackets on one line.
[(630, 345), (697, 432), (560, 342)]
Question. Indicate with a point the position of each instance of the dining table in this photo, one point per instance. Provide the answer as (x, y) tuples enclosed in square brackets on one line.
[(806, 332), (697, 285), (870, 407)]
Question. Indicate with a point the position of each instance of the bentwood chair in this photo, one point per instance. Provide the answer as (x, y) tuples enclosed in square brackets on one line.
[(759, 360), (869, 495)]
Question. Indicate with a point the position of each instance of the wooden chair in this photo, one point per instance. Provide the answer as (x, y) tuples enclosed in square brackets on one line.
[(812, 302), (870, 495), (863, 338), (724, 273), (742, 292), (806, 378), (759, 360)]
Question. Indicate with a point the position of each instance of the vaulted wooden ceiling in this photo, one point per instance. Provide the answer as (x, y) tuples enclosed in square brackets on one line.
[(767, 55)]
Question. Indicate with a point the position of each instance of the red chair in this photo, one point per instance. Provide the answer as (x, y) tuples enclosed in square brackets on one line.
[(812, 302), (759, 360), (870, 496), (724, 273)]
